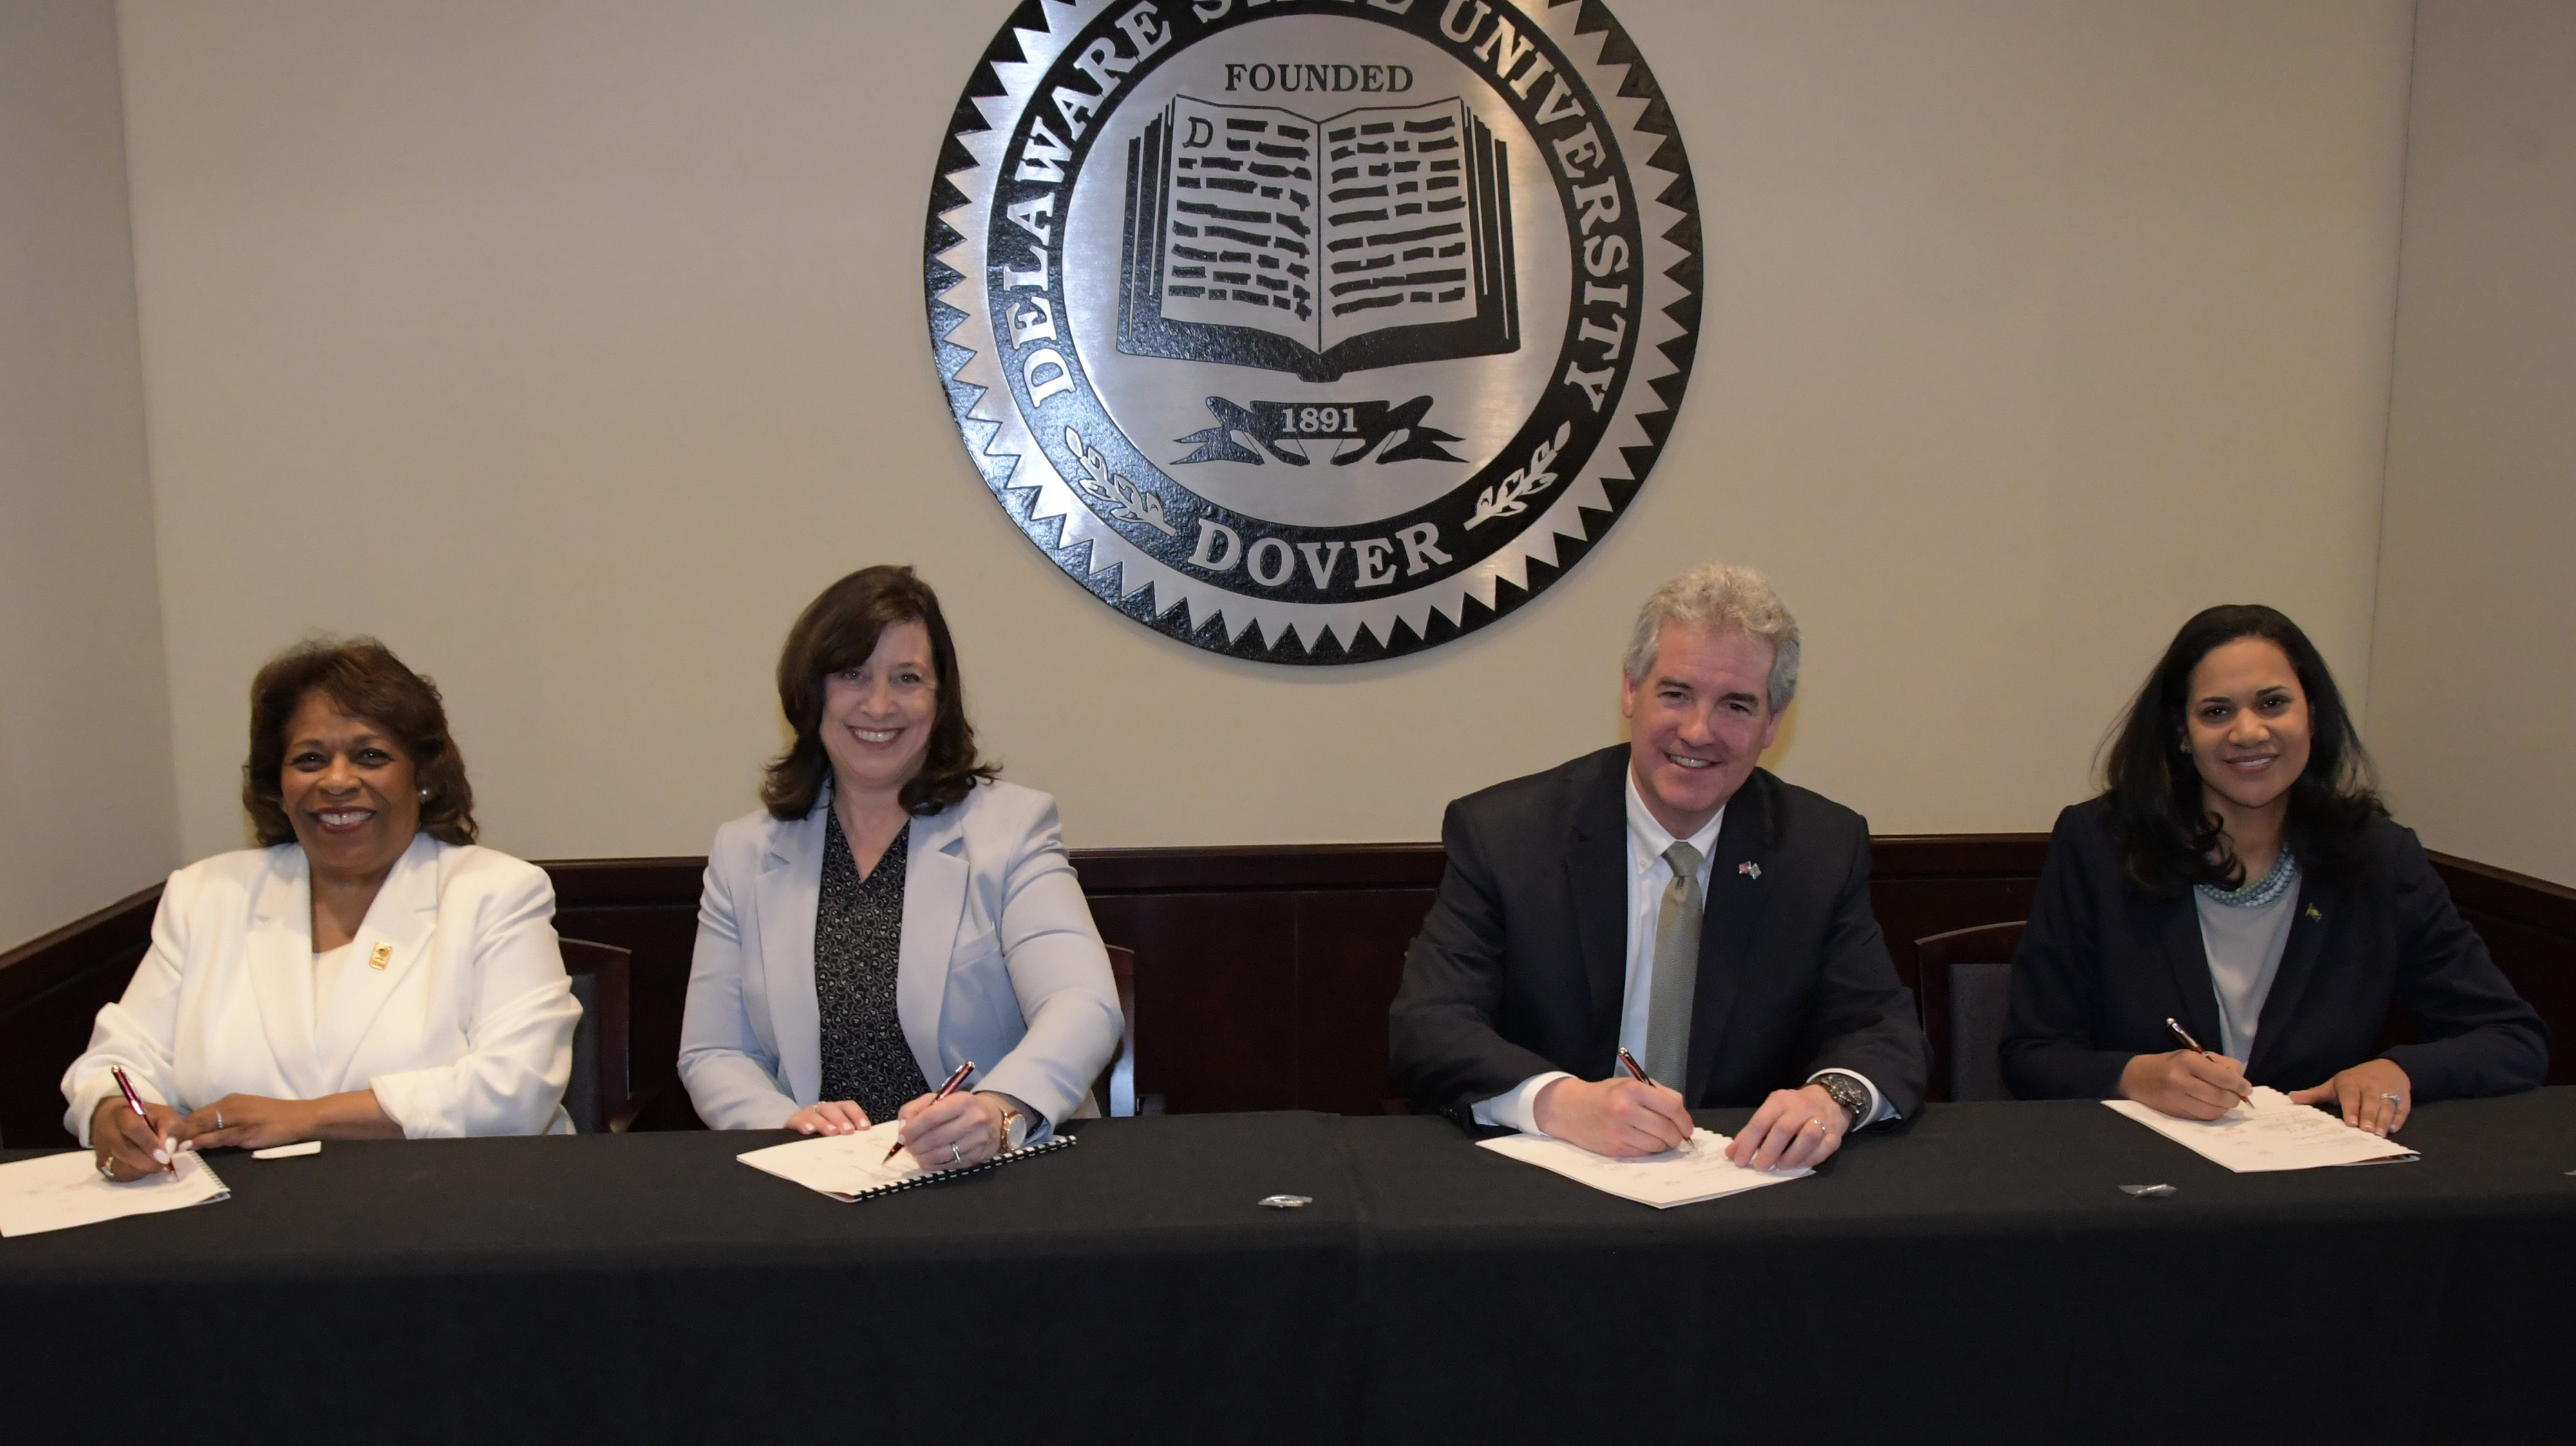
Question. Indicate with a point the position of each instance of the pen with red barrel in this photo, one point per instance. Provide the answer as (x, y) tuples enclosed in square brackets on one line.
[(136, 1101), (2188, 1042), (954, 1080), (1629, 1062)]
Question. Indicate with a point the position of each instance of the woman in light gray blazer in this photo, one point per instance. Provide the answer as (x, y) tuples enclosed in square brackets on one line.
[(894, 912)]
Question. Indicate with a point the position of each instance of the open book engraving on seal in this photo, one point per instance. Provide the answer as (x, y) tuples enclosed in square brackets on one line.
[(1313, 335)]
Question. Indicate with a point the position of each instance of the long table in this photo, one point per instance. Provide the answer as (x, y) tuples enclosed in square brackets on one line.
[(1973, 1274)]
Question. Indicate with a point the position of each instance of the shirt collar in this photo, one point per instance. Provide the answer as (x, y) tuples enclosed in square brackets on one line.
[(1647, 838)]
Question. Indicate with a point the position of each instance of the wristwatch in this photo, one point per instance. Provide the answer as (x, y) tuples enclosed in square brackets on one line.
[(1015, 1125), (1847, 1092)]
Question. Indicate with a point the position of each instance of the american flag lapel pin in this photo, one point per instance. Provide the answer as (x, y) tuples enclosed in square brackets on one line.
[(1749, 869)]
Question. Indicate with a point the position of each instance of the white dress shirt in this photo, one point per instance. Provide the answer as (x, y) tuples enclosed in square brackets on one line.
[(1649, 874)]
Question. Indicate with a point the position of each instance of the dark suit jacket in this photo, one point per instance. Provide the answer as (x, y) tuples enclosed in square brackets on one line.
[(2104, 962), (1521, 966)]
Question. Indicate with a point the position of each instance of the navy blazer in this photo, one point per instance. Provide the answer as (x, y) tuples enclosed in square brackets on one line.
[(1521, 966), (2104, 962)]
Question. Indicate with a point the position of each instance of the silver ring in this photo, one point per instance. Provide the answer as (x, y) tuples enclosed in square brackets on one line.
[(107, 1167), (2394, 1099), (219, 1119), (956, 1156)]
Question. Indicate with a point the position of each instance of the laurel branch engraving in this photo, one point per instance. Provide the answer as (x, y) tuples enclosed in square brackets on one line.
[(1127, 501), (1510, 497)]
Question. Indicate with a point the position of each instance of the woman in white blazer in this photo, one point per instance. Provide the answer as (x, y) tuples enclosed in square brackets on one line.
[(895, 912), (370, 974)]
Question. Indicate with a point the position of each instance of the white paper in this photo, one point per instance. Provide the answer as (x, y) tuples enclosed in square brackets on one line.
[(1684, 1175), (839, 1165), (283, 1152), (2270, 1133), (57, 1192)]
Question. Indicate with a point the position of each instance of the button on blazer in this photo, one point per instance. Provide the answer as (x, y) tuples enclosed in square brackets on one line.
[(467, 1030), (1000, 963)]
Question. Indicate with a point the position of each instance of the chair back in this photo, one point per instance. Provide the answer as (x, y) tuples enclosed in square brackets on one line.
[(597, 1097), (1964, 981), (1116, 1088)]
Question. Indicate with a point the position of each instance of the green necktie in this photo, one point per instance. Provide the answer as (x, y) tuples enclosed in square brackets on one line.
[(1668, 1013)]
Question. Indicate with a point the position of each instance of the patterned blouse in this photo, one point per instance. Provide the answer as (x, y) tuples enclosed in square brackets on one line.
[(858, 942)]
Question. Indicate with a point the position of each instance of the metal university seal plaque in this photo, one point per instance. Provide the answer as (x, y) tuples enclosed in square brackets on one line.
[(1313, 331)]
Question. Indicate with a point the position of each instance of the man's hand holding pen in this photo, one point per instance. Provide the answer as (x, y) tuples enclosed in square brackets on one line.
[(1632, 1116)]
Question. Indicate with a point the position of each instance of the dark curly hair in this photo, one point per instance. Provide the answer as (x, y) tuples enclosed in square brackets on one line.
[(838, 631), (363, 679), (2169, 839)]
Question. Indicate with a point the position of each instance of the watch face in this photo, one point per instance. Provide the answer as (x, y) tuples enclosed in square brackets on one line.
[(1853, 1099)]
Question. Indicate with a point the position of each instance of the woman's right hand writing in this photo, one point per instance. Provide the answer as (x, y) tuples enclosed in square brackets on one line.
[(2185, 1083), (829, 1117), (130, 1148)]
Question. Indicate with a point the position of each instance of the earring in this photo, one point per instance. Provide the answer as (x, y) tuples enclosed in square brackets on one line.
[(424, 795)]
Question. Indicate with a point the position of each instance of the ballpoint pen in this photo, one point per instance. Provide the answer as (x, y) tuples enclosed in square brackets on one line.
[(2189, 1043), (954, 1080), (140, 1113), (1629, 1062)]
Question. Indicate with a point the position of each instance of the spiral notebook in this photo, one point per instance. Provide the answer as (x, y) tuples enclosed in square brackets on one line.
[(855, 1167)]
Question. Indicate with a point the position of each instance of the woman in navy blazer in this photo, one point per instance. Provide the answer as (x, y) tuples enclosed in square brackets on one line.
[(2239, 875), (894, 912)]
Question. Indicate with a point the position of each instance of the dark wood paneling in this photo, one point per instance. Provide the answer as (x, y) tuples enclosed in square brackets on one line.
[(50, 991), (1216, 996), (1263, 973), (1350, 956)]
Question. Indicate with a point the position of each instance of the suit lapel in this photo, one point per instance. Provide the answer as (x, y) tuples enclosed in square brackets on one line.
[(2188, 960), (399, 927), (1735, 901), (934, 901), (785, 895), (279, 956), (1596, 878), (2299, 958)]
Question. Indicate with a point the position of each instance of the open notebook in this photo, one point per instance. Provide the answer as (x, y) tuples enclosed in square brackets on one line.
[(2270, 1133), (854, 1167)]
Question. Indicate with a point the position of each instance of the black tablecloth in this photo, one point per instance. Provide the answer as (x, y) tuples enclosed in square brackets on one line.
[(1974, 1274)]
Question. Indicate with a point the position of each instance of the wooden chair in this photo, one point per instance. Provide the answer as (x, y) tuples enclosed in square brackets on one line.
[(1964, 982), (598, 1098), (1116, 1087)]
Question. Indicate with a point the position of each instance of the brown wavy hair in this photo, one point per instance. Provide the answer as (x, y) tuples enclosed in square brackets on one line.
[(839, 631), (363, 679)]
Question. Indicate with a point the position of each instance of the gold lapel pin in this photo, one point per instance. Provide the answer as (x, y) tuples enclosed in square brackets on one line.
[(380, 956), (2313, 914)]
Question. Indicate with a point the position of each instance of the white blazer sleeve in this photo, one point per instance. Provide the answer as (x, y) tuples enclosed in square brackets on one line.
[(140, 1030), (731, 1078), (519, 1024), (1060, 971)]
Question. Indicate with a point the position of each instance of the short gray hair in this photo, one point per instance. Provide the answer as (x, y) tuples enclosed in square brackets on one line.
[(1713, 598)]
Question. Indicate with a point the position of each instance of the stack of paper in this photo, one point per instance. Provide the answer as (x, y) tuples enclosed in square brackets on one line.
[(2268, 1132), (56, 1192), (1695, 1170)]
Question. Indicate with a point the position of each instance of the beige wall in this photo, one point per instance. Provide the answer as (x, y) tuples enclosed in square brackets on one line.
[(572, 347), (86, 806), (2473, 704)]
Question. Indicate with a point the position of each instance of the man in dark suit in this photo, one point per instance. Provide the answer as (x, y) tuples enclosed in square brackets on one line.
[(1670, 898)]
